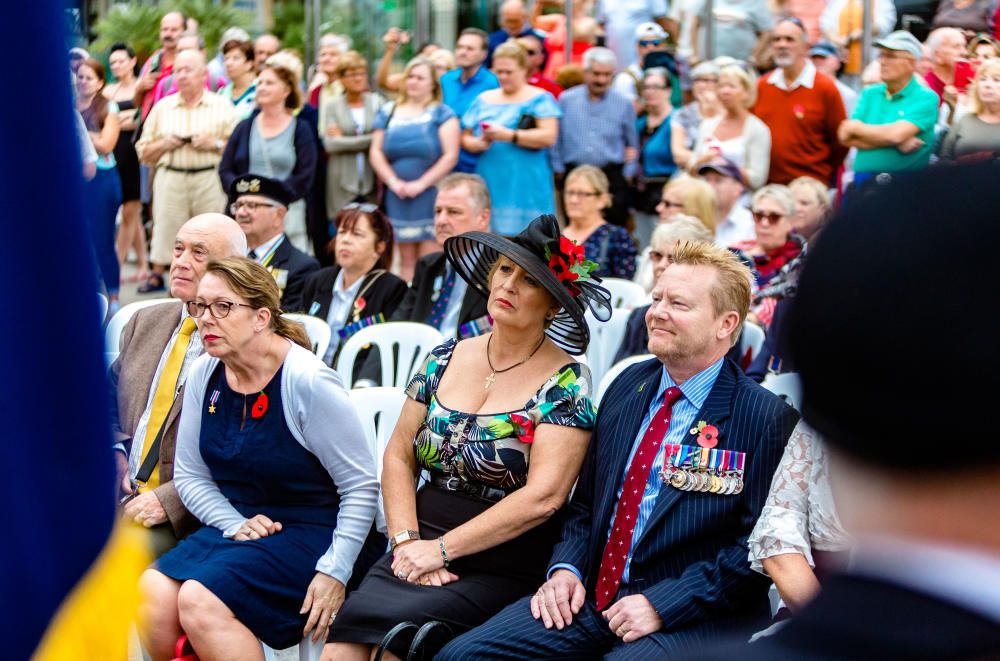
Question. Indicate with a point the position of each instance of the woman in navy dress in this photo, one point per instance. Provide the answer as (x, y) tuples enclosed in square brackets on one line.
[(272, 459)]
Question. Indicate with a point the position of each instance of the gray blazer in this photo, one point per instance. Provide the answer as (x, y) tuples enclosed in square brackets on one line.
[(342, 181)]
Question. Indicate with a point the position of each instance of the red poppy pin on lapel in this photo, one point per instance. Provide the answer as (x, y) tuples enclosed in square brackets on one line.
[(708, 435)]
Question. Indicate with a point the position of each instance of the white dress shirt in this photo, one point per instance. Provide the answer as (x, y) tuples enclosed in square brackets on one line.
[(340, 305), (737, 227)]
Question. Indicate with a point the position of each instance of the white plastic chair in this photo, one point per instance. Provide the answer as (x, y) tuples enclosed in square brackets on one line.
[(308, 650), (625, 293), (113, 332), (788, 386), (102, 306), (402, 346), (615, 372), (379, 409), (605, 338), (751, 338), (317, 329)]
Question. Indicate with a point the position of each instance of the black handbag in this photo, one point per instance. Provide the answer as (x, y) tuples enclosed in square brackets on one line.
[(526, 122)]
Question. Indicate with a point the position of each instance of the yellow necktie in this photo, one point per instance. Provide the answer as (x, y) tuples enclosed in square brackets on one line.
[(164, 397)]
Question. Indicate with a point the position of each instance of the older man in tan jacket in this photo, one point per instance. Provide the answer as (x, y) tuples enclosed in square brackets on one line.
[(158, 346)]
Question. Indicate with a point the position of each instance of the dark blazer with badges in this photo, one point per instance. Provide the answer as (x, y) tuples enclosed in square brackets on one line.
[(867, 618), (691, 560), (382, 295), (297, 266)]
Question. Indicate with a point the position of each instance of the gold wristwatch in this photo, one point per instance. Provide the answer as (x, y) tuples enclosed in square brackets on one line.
[(403, 536)]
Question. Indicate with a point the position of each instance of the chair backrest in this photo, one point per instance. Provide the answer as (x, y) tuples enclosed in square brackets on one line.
[(317, 329), (751, 339), (113, 332), (788, 386), (605, 338), (625, 293), (379, 410), (102, 306), (614, 373), (402, 347)]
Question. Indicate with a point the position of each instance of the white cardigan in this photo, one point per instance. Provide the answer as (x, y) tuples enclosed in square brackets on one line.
[(321, 417)]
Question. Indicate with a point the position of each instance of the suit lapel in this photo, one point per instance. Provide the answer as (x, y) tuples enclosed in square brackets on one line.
[(716, 409), (626, 413), (146, 354), (281, 254)]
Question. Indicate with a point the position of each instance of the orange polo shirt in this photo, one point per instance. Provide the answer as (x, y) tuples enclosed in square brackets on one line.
[(803, 120)]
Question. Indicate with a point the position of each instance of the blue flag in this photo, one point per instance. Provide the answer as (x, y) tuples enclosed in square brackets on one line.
[(56, 470)]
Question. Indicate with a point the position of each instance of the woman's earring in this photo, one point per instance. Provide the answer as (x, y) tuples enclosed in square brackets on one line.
[(549, 316)]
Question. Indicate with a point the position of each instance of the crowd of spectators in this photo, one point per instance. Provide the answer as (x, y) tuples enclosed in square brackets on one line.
[(485, 188)]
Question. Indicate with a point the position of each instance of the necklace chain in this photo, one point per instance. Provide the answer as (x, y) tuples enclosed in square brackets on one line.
[(494, 371)]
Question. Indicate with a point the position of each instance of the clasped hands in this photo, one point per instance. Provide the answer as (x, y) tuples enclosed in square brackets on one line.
[(562, 596), (407, 189), (420, 561)]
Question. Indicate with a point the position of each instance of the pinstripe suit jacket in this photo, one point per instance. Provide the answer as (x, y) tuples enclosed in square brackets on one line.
[(691, 558)]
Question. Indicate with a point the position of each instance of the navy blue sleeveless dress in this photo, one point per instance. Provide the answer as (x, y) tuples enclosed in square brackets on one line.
[(261, 469)]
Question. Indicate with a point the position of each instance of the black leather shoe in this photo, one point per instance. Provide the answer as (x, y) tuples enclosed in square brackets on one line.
[(429, 640)]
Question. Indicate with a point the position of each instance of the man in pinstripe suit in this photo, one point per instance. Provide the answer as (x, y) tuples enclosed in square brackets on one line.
[(648, 576)]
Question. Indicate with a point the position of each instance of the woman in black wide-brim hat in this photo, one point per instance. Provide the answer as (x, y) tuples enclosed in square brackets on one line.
[(481, 415)]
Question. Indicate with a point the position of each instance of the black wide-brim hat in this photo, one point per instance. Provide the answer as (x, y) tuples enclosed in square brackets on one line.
[(473, 254), (256, 184)]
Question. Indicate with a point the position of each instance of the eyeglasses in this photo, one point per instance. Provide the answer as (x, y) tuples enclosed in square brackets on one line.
[(580, 193), (364, 207), (235, 207), (711, 79), (767, 217), (655, 87), (220, 309), (645, 43)]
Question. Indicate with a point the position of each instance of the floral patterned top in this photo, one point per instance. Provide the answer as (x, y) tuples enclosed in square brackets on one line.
[(493, 449)]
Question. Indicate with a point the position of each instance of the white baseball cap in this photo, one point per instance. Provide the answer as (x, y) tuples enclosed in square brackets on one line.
[(650, 30)]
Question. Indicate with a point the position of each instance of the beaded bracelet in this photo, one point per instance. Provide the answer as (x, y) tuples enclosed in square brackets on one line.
[(444, 553)]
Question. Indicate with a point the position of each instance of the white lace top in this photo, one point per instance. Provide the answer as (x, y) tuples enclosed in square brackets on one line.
[(799, 513)]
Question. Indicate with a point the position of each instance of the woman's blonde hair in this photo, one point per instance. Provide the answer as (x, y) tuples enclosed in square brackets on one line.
[(594, 177), (731, 289), (442, 57), (512, 50), (252, 282), (436, 94), (817, 187), (699, 198), (680, 228), (747, 80), (352, 59), (987, 68)]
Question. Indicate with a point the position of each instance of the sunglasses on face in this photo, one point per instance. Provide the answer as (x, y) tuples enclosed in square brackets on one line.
[(645, 43), (767, 217)]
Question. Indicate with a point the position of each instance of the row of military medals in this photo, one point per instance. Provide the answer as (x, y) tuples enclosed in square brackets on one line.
[(691, 468)]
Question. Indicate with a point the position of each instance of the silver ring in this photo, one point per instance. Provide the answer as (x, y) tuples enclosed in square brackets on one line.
[(400, 575)]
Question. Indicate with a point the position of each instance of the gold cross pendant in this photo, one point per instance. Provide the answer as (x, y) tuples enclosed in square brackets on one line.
[(489, 380)]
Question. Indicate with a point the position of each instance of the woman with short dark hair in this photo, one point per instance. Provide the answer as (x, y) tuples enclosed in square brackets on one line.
[(358, 289), (242, 88)]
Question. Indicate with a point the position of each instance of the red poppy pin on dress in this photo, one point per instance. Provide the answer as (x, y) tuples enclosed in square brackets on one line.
[(259, 407)]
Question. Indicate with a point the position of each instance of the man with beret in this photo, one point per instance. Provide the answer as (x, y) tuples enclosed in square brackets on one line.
[(914, 468), (259, 205), (893, 123)]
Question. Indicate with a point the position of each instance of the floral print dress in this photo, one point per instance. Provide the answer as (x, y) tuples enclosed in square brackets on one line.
[(493, 449)]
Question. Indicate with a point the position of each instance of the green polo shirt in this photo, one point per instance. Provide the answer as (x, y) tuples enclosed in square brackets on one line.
[(915, 103)]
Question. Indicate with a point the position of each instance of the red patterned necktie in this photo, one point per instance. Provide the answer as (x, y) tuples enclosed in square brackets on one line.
[(620, 541)]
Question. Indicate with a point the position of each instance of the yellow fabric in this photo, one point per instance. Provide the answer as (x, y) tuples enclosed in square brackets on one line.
[(93, 622), (852, 18), (164, 397)]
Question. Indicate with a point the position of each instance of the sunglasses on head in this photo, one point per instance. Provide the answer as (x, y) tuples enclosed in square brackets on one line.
[(650, 42), (364, 207)]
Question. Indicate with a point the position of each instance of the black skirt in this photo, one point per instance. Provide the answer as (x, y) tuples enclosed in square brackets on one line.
[(488, 581)]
